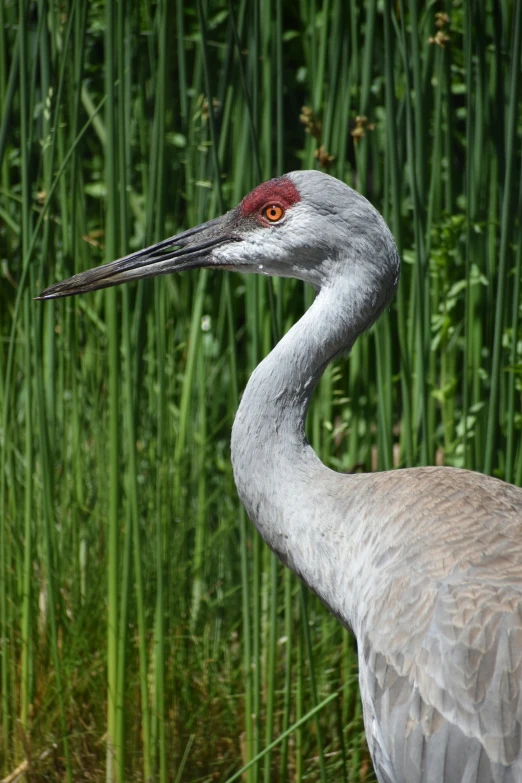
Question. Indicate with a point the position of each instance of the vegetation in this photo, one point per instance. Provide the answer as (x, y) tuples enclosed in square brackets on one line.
[(145, 631)]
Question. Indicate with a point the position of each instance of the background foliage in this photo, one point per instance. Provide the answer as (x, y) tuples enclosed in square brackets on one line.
[(145, 631)]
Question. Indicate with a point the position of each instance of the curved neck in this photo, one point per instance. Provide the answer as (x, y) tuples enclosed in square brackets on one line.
[(275, 469)]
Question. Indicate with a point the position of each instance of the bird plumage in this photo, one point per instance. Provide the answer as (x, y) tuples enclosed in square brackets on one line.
[(424, 565), (440, 630)]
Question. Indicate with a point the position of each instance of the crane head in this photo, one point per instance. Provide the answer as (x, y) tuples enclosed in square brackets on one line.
[(305, 225)]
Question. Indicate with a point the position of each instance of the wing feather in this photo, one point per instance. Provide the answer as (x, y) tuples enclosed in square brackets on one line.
[(455, 712), (440, 636)]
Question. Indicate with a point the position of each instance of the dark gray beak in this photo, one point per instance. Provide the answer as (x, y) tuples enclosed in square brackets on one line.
[(189, 250)]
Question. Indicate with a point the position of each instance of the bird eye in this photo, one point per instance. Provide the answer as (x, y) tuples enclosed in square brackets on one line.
[(273, 212)]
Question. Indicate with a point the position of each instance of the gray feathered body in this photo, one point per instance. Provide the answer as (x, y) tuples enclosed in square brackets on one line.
[(424, 565)]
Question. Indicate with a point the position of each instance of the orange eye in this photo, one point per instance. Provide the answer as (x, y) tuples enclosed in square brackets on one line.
[(273, 212)]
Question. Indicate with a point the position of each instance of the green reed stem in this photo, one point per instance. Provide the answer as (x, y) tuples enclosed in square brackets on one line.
[(505, 233), (310, 714)]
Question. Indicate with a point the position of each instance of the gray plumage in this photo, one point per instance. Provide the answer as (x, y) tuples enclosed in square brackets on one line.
[(424, 565)]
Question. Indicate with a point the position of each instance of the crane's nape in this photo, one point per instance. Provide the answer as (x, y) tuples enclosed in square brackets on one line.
[(424, 565), (273, 231)]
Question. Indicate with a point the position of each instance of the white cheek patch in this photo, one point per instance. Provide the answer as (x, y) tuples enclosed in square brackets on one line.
[(290, 248), (257, 249)]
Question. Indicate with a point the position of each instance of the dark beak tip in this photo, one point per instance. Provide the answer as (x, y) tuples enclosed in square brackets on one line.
[(187, 250), (43, 296)]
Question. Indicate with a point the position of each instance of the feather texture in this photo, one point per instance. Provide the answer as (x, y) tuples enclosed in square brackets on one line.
[(425, 564)]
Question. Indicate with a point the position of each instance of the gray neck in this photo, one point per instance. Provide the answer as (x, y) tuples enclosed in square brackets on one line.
[(280, 480)]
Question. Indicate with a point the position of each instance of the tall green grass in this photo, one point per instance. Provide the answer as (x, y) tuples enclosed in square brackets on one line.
[(146, 633)]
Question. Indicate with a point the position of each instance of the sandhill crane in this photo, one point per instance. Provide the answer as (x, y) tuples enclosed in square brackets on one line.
[(424, 565)]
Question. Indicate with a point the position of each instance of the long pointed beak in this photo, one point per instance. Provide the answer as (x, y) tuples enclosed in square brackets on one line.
[(189, 250)]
